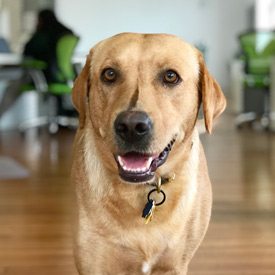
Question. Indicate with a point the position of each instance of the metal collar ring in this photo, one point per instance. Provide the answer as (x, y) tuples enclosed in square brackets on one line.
[(156, 190)]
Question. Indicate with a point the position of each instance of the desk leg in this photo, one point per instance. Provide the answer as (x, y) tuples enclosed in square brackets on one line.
[(272, 96), (236, 83)]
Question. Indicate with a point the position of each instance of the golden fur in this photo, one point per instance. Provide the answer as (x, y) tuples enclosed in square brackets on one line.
[(110, 234)]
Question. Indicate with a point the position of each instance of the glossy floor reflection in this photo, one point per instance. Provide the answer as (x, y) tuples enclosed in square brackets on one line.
[(241, 236), (35, 234)]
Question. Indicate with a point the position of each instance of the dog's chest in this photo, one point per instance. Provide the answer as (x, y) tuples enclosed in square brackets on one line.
[(142, 260), (135, 252)]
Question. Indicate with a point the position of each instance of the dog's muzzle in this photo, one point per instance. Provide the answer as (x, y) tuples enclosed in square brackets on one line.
[(133, 131)]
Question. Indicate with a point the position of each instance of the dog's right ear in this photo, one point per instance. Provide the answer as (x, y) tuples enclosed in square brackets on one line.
[(213, 100), (81, 89)]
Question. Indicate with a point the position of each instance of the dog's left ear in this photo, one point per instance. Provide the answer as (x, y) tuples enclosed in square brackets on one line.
[(213, 100), (81, 89)]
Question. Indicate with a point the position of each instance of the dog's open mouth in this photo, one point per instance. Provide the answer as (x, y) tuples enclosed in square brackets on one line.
[(139, 167)]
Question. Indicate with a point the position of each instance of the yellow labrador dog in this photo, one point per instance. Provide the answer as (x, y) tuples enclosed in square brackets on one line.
[(142, 188)]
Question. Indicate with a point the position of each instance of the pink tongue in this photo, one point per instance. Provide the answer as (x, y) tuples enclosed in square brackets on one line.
[(134, 160)]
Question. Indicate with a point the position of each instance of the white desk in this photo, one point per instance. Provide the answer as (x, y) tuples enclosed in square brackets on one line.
[(26, 107), (10, 66), (10, 59)]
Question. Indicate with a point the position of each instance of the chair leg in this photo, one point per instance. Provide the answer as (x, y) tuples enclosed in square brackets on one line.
[(245, 118), (67, 121), (32, 123), (53, 127), (51, 119)]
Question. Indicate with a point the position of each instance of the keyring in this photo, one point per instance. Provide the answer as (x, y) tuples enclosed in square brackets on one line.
[(156, 190), (158, 184)]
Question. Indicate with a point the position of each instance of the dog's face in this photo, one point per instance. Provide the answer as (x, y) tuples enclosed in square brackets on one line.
[(142, 94)]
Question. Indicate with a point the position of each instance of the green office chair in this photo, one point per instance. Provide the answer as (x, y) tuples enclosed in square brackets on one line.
[(55, 93), (258, 48)]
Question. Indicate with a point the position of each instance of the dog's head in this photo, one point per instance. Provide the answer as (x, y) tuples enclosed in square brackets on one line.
[(141, 95)]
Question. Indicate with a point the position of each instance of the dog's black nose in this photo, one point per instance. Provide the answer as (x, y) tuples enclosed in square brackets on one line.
[(133, 126)]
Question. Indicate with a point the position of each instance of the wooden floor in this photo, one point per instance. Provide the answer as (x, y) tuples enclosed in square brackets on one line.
[(35, 236)]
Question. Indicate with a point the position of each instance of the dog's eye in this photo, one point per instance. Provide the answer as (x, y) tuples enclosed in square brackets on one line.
[(109, 75), (171, 77)]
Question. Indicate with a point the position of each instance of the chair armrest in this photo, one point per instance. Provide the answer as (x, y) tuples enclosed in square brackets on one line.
[(30, 63), (39, 80), (35, 68)]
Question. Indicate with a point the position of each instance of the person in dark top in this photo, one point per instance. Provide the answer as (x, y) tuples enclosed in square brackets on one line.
[(42, 47)]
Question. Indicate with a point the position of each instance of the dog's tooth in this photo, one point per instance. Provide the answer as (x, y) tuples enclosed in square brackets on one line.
[(134, 170), (144, 169), (124, 167), (120, 161), (148, 163)]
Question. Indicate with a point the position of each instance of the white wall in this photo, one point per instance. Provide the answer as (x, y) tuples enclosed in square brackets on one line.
[(265, 15), (212, 22), (10, 21)]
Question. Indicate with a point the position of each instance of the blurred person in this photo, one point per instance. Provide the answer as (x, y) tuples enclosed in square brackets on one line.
[(42, 47)]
